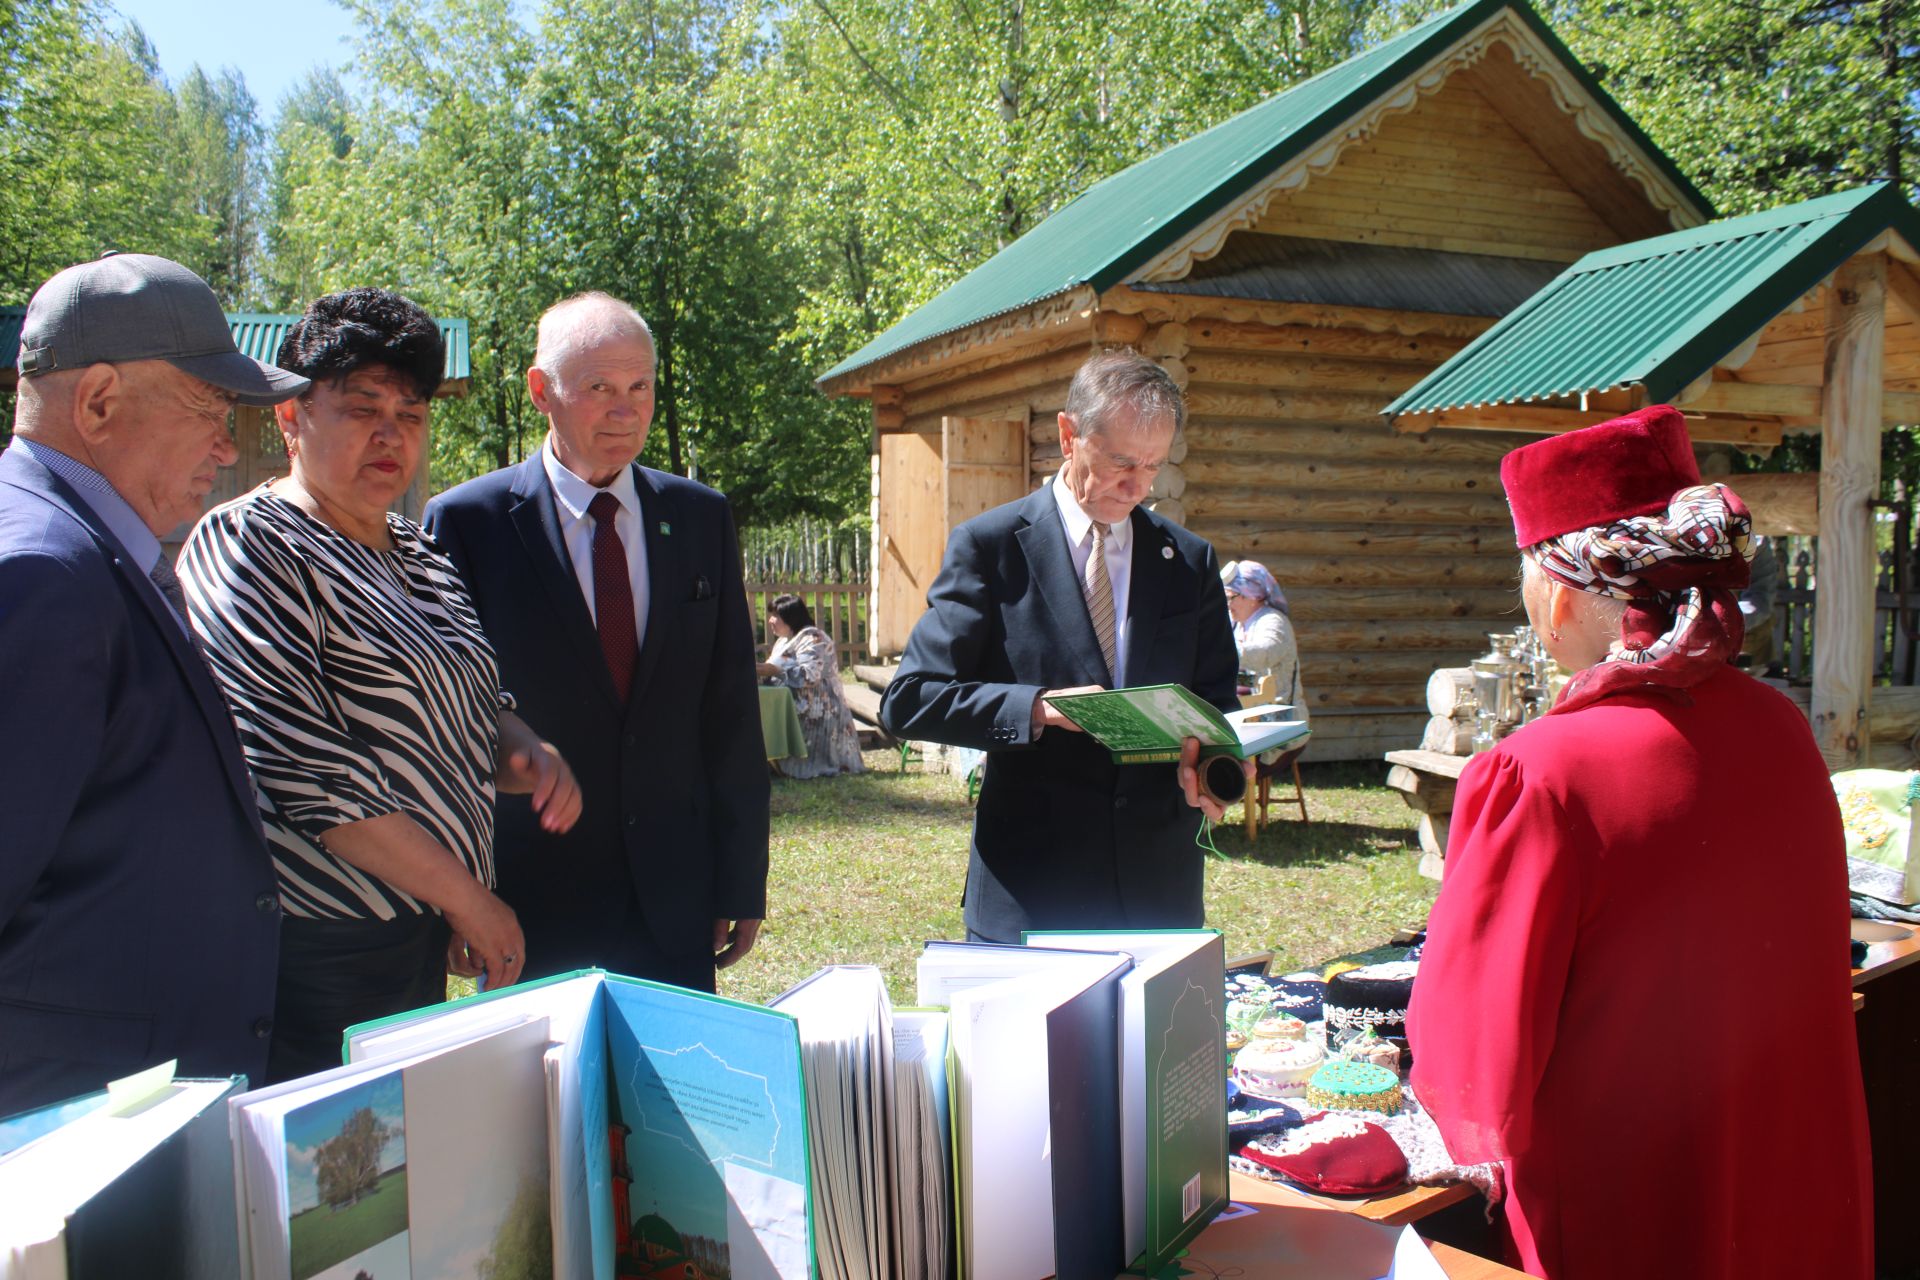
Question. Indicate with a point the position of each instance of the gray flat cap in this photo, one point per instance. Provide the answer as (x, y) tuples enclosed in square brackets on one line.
[(134, 306)]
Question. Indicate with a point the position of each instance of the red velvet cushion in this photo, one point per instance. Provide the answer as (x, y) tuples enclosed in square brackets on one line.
[(1630, 466), (1341, 1155)]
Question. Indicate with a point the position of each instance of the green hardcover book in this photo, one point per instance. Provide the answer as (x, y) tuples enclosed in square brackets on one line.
[(1173, 1071), (1147, 724)]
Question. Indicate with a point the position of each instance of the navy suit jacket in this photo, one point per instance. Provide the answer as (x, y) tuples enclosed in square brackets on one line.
[(1063, 838), (674, 783), (138, 915)]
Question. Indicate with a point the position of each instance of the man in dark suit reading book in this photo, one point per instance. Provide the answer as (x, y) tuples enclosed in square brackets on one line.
[(1070, 588)]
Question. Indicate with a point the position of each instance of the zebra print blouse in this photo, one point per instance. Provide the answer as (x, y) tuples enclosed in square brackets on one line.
[(361, 685)]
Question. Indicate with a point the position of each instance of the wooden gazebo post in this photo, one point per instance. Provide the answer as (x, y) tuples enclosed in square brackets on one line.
[(1851, 411)]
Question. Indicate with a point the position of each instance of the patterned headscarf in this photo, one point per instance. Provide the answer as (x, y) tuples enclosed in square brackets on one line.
[(1250, 578), (1679, 572)]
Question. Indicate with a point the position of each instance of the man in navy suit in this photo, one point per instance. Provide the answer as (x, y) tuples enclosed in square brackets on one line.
[(1074, 587), (138, 916), (612, 594)]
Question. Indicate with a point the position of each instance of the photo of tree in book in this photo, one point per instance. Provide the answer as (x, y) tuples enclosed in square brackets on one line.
[(347, 1185)]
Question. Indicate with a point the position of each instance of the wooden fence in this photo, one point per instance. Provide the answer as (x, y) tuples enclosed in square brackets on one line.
[(838, 608), (1896, 618)]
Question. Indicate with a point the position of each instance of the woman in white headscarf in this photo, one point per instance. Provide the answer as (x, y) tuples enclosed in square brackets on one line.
[(1263, 630)]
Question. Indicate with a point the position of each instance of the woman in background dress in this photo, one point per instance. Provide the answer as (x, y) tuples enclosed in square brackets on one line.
[(804, 657), (1263, 630)]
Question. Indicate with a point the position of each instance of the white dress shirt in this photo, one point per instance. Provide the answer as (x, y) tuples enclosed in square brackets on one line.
[(1119, 546), (571, 497)]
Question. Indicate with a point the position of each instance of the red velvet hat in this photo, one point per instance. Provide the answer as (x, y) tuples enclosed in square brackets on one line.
[(1630, 466)]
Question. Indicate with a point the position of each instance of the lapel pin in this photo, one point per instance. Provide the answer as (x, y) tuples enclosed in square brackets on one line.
[(665, 529), (1166, 553)]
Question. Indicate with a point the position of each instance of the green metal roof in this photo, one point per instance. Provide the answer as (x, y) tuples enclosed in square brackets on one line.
[(258, 336), (1120, 224), (1661, 312), (10, 321)]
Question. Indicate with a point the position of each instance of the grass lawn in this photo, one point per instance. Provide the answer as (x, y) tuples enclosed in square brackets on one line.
[(867, 868), (320, 1237)]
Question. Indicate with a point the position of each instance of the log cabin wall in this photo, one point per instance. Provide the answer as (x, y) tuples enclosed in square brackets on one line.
[(1396, 552)]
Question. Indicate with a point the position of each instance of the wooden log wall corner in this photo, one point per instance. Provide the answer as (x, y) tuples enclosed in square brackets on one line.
[(1849, 481)]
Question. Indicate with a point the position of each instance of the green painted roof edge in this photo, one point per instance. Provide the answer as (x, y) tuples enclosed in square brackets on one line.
[(1421, 42), (454, 331), (1834, 225), (1828, 241)]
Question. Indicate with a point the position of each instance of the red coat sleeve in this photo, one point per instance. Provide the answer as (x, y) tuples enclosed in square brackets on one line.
[(1486, 1002)]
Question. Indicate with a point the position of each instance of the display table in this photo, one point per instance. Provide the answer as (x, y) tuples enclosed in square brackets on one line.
[(1395, 1208), (1288, 1235), (780, 723)]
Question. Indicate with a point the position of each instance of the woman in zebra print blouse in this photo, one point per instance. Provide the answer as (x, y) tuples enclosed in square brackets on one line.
[(366, 696)]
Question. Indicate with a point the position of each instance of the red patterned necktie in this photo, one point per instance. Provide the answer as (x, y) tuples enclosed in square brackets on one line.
[(613, 594)]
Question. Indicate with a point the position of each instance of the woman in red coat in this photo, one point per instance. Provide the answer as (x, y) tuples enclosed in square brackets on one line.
[(1635, 992)]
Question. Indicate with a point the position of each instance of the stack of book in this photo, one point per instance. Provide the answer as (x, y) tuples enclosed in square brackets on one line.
[(1055, 1110)]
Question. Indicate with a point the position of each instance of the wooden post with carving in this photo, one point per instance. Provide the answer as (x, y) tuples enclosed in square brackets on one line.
[(1849, 481)]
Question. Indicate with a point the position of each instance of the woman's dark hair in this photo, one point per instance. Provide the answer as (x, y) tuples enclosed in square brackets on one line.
[(791, 610), (345, 332)]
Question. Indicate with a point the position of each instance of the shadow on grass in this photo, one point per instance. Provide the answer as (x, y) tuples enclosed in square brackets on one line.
[(876, 794), (1292, 843)]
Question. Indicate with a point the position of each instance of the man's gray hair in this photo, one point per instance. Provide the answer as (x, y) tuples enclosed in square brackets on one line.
[(573, 324), (1123, 379)]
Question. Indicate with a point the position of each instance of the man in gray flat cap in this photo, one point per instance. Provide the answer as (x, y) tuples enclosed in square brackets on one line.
[(138, 916)]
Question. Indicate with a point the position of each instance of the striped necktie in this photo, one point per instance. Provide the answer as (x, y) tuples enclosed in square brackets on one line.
[(1099, 591)]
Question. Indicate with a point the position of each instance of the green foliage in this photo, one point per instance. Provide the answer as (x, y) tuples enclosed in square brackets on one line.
[(774, 183), (221, 144), (523, 1247), (1763, 102), (907, 142), (84, 159)]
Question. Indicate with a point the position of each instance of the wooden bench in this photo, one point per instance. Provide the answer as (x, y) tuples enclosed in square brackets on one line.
[(1426, 781), (864, 702)]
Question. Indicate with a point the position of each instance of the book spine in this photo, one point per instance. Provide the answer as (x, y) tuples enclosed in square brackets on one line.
[(1156, 755)]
